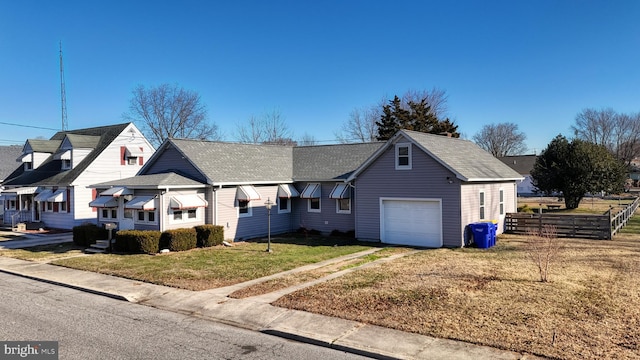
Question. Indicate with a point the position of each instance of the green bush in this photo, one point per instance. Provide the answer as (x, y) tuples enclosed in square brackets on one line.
[(87, 234), (209, 235), (178, 239), (138, 241), (525, 209)]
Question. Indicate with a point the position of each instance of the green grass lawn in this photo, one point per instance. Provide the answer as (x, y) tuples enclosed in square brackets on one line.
[(208, 268), (44, 252)]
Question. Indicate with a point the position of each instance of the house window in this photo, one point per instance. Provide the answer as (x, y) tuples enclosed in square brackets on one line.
[(66, 164), (191, 214), (114, 213), (132, 161), (63, 206), (177, 214), (343, 206), (28, 166), (12, 204), (49, 206), (128, 214), (284, 205), (403, 156), (146, 216), (501, 202), (244, 208), (314, 205), (105, 213), (481, 205)]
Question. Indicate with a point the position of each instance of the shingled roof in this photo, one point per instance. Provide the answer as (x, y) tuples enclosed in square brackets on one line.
[(330, 162), (153, 181), (523, 164), (50, 172), (231, 163), (8, 155)]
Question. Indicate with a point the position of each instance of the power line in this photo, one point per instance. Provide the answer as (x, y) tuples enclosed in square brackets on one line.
[(28, 126)]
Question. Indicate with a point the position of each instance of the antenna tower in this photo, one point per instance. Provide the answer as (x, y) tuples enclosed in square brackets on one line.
[(63, 94)]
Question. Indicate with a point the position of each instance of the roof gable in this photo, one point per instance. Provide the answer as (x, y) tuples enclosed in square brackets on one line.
[(464, 158), (41, 146), (51, 173), (523, 164)]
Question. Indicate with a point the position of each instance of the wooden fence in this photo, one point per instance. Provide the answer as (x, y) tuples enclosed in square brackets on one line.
[(581, 226)]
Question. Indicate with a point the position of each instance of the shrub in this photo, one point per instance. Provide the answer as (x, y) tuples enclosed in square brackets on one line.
[(351, 234), (87, 234), (209, 235), (525, 209), (544, 249), (138, 241), (179, 239)]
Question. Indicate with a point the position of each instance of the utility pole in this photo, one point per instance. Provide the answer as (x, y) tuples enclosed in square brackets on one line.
[(63, 94)]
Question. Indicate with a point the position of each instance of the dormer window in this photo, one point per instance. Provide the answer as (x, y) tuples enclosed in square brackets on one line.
[(66, 164), (403, 156), (28, 166)]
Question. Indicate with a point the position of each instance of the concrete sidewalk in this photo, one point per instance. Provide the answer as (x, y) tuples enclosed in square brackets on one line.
[(19, 240), (257, 314)]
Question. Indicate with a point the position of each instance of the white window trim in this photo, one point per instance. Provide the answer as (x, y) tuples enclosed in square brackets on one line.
[(46, 207), (109, 211), (343, 211), (65, 167), (288, 209), (185, 216), (318, 210), (397, 156), (249, 212), (482, 202), (146, 217), (501, 201)]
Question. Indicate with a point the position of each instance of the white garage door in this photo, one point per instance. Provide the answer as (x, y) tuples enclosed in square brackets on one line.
[(411, 222)]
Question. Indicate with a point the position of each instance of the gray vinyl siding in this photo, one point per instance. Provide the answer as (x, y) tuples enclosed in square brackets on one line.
[(426, 179), (328, 219), (173, 160), (256, 225), (166, 213)]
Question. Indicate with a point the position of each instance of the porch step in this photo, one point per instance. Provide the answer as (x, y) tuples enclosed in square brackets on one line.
[(100, 247)]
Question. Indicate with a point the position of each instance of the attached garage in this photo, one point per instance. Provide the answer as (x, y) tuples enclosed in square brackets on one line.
[(414, 222)]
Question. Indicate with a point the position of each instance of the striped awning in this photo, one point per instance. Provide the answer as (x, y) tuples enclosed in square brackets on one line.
[(142, 203), (104, 202), (179, 202), (21, 191), (133, 151), (247, 193), (287, 191), (340, 191), (117, 191), (311, 191)]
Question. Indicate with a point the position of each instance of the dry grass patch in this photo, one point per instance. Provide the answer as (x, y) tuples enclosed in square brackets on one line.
[(208, 268), (44, 253), (590, 308), (285, 281)]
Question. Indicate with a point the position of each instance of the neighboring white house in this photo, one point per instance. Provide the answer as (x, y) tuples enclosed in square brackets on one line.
[(50, 186)]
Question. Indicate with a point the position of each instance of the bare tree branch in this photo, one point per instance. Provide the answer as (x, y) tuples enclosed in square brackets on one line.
[(170, 111), (270, 128), (501, 139)]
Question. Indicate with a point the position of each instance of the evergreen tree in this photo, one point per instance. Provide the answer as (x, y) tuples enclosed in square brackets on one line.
[(576, 168), (418, 117)]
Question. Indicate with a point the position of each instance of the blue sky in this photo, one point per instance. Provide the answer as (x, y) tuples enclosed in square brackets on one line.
[(533, 63)]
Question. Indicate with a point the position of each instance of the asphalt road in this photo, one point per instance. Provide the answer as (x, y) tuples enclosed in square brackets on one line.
[(90, 326)]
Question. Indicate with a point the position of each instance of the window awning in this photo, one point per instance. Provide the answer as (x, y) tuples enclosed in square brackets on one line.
[(133, 151), (340, 191), (117, 191), (21, 191), (64, 155), (44, 195), (287, 191), (311, 191), (187, 202), (142, 203), (247, 193), (104, 202), (24, 158), (58, 196)]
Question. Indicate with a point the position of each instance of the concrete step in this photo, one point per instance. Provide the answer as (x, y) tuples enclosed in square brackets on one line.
[(100, 247)]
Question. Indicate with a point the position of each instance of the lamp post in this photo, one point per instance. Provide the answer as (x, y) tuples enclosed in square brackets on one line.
[(268, 204)]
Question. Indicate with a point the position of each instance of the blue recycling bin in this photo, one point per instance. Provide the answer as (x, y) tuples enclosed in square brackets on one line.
[(482, 234)]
